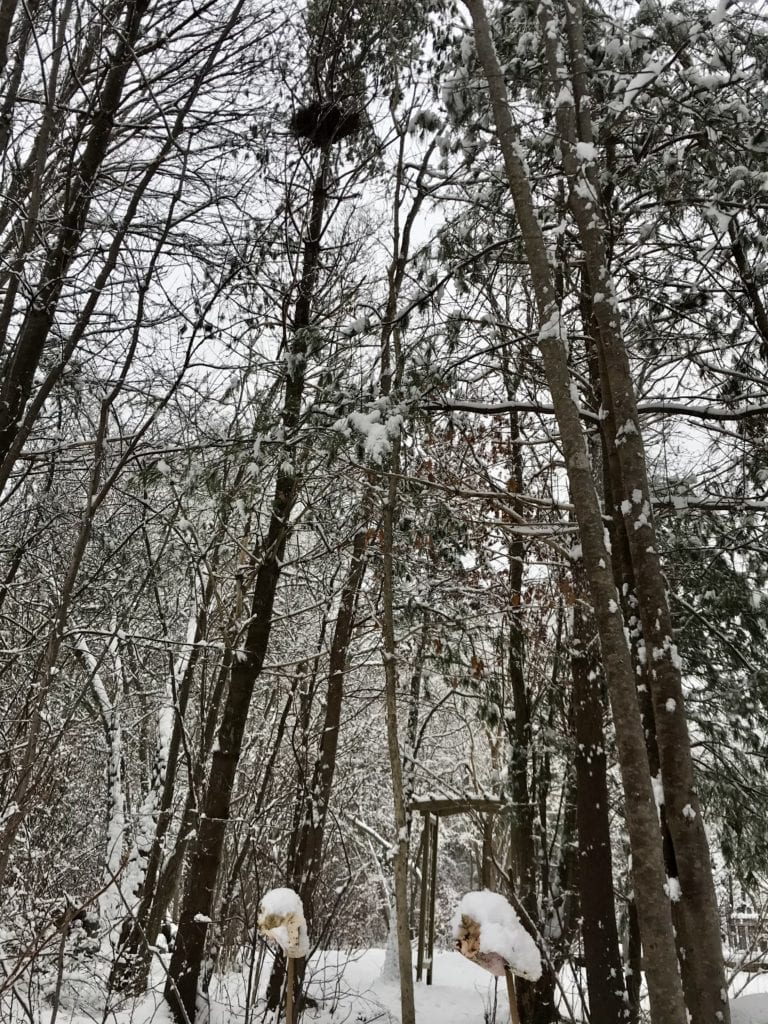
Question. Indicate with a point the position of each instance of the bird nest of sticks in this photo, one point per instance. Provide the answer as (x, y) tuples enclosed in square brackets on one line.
[(324, 124)]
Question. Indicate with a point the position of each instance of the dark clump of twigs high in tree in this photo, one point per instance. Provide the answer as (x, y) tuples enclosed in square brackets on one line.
[(325, 123)]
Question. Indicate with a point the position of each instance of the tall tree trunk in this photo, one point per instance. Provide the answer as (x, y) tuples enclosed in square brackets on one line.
[(392, 367), (522, 847), (701, 960), (633, 962), (536, 1000), (400, 865), (197, 907), (664, 985), (597, 909), (624, 578)]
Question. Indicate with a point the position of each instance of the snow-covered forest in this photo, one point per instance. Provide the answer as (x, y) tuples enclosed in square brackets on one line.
[(384, 493)]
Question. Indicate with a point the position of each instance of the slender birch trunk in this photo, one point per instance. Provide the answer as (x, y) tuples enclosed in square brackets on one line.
[(391, 375), (665, 990), (130, 969), (111, 900)]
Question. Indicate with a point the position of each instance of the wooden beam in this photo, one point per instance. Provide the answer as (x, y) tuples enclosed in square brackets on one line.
[(425, 862), (447, 806)]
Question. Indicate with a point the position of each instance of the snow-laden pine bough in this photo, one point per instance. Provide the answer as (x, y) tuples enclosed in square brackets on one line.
[(488, 931), (281, 920)]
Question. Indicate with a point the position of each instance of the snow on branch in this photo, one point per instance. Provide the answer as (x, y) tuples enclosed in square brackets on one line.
[(659, 406)]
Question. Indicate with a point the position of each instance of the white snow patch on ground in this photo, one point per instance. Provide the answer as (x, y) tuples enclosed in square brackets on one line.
[(350, 988), (750, 1009)]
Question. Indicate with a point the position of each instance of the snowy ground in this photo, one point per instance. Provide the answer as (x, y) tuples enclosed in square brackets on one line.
[(351, 991)]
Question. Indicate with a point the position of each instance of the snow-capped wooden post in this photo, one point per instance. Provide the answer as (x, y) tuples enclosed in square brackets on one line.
[(281, 920), (488, 931)]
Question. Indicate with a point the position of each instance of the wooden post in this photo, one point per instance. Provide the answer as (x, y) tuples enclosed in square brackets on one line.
[(290, 1017), (514, 1014), (425, 862), (432, 898), (486, 859)]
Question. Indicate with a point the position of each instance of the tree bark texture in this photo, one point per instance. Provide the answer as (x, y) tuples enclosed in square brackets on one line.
[(536, 1001), (7, 11), (597, 909), (400, 860), (701, 961), (522, 845), (665, 990)]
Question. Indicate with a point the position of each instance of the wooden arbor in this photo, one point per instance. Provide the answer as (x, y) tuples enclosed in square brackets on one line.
[(432, 810)]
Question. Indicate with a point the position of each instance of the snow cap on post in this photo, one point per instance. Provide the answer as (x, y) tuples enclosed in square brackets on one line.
[(488, 931), (281, 919)]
